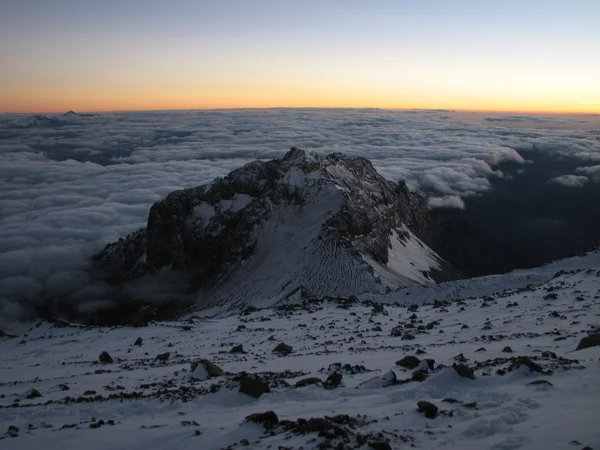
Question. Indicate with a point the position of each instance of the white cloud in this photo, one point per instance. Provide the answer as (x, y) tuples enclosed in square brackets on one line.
[(592, 171), (453, 202), (570, 180), (68, 190)]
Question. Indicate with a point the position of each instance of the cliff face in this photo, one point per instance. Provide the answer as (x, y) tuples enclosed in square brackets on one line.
[(331, 225)]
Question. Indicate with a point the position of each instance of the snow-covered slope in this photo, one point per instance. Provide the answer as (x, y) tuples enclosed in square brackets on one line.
[(531, 389), (330, 225)]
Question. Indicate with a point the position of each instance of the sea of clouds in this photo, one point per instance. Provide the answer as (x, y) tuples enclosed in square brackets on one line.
[(70, 185)]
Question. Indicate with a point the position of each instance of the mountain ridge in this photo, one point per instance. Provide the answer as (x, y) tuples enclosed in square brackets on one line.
[(328, 224)]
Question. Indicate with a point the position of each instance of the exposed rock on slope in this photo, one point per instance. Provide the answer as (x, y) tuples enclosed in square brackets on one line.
[(331, 225)]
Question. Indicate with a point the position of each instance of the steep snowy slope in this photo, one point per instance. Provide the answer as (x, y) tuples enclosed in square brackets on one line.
[(353, 376), (330, 225)]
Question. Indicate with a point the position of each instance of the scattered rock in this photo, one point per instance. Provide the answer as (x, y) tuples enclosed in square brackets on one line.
[(333, 380), (283, 349), (138, 342), (464, 371), (237, 349), (409, 362), (540, 382), (105, 358), (163, 357), (507, 349), (268, 419), (308, 381), (407, 337), (428, 408), (397, 331), (212, 370), (526, 361), (379, 445), (33, 393), (418, 376)]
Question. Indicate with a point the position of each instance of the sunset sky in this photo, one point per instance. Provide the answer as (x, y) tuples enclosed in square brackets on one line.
[(105, 55)]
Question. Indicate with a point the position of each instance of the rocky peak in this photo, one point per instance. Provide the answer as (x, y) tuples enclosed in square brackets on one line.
[(330, 224)]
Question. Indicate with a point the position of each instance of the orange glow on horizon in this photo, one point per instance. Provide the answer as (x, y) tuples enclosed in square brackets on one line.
[(54, 99)]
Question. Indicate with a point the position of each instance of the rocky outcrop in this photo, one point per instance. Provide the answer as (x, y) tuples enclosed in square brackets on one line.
[(331, 225)]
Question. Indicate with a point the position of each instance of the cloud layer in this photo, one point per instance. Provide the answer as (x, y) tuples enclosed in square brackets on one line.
[(69, 186)]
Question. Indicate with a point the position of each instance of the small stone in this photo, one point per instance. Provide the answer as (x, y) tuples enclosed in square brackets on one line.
[(105, 358), (481, 349), (237, 349), (163, 357), (211, 369), (267, 419), (379, 445), (428, 408), (33, 393), (526, 361), (308, 381), (407, 337), (507, 349), (536, 382)]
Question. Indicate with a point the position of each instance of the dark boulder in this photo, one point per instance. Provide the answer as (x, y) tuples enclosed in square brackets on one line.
[(163, 357), (283, 349), (428, 408), (105, 358), (464, 371), (254, 387), (589, 341), (409, 362), (267, 419), (308, 381)]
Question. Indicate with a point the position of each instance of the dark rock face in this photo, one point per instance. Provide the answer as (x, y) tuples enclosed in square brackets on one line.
[(206, 233)]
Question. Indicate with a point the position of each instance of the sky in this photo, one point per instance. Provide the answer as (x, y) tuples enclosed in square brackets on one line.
[(92, 55)]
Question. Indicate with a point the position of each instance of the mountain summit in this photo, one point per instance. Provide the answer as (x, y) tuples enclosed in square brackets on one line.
[(328, 225)]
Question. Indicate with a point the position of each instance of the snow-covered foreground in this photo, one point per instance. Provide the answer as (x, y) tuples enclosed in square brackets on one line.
[(141, 402)]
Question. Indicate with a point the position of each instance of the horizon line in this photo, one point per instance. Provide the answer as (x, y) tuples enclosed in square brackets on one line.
[(592, 112)]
